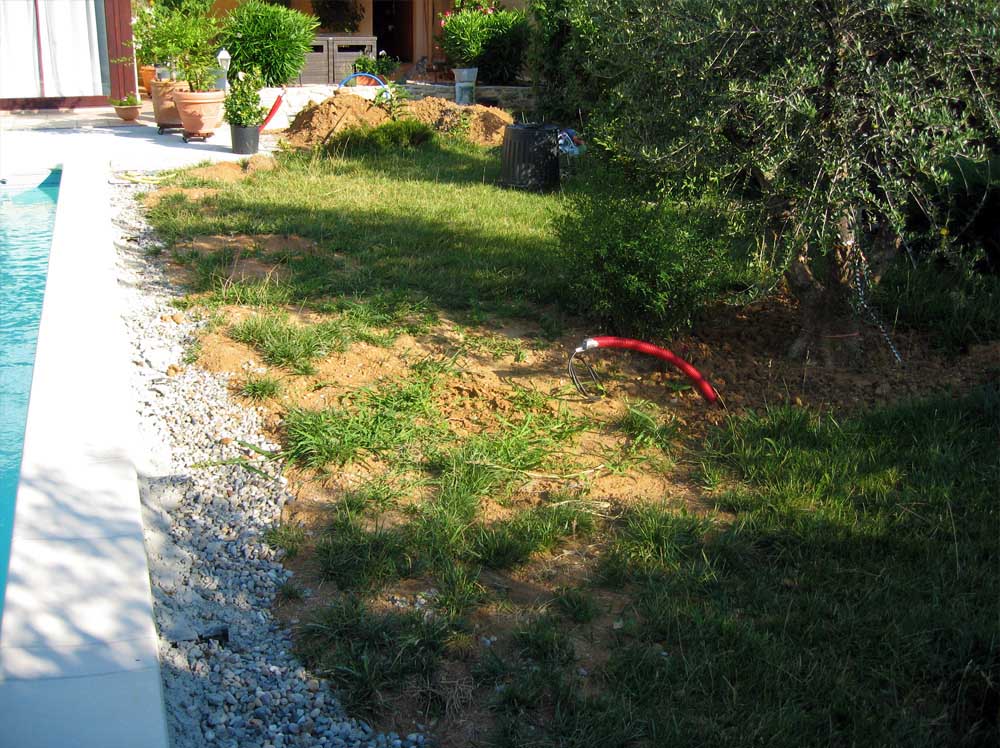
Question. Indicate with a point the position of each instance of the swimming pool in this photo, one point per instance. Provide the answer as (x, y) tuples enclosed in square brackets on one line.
[(26, 221)]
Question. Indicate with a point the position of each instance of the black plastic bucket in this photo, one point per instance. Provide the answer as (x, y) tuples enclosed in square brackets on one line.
[(245, 139), (530, 158)]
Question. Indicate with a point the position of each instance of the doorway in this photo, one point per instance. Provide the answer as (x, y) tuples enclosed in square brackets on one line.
[(392, 23)]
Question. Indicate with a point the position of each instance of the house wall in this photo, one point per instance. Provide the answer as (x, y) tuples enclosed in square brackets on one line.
[(221, 7)]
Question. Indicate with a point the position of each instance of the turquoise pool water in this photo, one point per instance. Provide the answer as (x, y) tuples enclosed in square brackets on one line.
[(26, 221)]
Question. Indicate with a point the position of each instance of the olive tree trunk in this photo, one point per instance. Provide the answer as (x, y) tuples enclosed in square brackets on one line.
[(822, 284)]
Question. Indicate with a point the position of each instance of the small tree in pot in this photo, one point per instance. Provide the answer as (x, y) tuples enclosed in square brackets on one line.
[(143, 19), (200, 108), (161, 32), (244, 112)]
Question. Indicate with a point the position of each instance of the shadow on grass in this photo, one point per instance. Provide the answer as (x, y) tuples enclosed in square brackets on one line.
[(425, 225), (439, 162), (852, 601)]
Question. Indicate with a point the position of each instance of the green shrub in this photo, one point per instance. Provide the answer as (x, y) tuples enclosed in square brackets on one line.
[(557, 53), (384, 65), (958, 305), (164, 32), (641, 265), (822, 122), (491, 39), (269, 37), (129, 99), (402, 134)]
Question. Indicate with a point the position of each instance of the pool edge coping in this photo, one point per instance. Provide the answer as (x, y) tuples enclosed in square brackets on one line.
[(78, 647)]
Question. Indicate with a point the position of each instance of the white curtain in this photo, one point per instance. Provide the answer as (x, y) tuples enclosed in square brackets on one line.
[(71, 51), (18, 50), (71, 48)]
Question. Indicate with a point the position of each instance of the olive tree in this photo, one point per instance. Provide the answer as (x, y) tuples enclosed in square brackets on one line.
[(827, 125)]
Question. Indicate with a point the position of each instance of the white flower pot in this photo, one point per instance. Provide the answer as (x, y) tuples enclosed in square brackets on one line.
[(465, 85)]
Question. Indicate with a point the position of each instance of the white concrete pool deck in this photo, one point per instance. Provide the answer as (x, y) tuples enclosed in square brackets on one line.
[(26, 141), (78, 650)]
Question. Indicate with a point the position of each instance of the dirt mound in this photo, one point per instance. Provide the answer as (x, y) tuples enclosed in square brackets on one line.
[(485, 124), (312, 126), (315, 124)]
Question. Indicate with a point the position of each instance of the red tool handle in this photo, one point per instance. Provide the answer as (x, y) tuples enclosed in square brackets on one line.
[(704, 386), (274, 110)]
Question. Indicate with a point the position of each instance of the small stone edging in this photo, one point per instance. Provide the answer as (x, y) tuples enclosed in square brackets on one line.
[(230, 678)]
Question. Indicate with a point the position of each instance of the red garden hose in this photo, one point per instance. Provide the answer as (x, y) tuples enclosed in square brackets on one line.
[(704, 387), (274, 110)]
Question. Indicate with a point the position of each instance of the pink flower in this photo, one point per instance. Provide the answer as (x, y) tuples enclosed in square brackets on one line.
[(488, 11)]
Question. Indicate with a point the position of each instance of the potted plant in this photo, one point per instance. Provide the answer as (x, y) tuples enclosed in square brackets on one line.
[(200, 107), (382, 66), (161, 34), (244, 112), (141, 42), (483, 39), (127, 108), (463, 32)]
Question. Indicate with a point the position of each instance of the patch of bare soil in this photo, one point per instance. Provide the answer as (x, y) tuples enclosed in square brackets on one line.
[(259, 162), (226, 172), (233, 171), (223, 171), (315, 124), (194, 194), (273, 245), (254, 258), (737, 349)]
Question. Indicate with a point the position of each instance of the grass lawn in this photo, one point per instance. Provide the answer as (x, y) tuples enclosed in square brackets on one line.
[(434, 227), (585, 575)]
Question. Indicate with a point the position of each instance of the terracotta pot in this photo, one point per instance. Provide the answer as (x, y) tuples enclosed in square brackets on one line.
[(129, 113), (162, 94), (367, 80), (146, 75), (200, 111)]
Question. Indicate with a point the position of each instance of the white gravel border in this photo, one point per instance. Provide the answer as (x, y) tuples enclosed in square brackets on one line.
[(230, 679)]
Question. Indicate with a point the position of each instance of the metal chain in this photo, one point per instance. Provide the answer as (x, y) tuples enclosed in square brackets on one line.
[(862, 282)]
